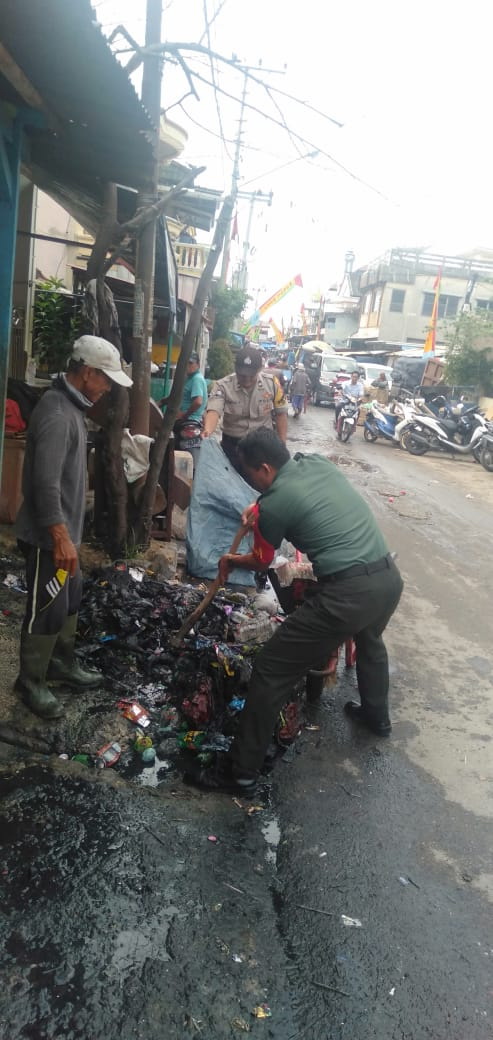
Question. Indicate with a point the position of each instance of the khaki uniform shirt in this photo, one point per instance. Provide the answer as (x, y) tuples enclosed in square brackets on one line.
[(246, 410)]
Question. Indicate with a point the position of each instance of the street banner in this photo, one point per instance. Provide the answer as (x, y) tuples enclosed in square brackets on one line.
[(429, 345), (277, 332), (279, 295)]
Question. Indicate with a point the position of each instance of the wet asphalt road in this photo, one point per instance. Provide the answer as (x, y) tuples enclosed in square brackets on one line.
[(121, 919)]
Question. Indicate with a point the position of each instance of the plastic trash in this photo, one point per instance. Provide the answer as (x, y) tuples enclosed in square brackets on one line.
[(85, 760), (148, 756), (351, 922), (191, 739), (237, 704), (12, 581), (108, 755), (134, 712), (262, 1011), (142, 741)]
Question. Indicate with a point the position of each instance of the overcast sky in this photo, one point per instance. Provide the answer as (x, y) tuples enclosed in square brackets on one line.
[(410, 82)]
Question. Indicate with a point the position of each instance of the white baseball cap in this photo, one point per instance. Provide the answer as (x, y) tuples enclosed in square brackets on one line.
[(99, 353)]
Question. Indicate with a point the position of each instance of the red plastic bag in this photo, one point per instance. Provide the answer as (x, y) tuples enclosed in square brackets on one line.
[(14, 423)]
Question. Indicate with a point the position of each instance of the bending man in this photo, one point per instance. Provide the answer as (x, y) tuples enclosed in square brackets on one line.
[(308, 501)]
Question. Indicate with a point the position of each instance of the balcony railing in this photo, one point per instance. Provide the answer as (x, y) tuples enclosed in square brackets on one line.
[(191, 258)]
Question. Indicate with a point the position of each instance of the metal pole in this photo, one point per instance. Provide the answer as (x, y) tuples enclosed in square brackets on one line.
[(234, 187), (144, 267), (9, 197), (243, 276)]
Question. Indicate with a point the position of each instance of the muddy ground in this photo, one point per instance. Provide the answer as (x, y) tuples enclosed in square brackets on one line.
[(355, 901)]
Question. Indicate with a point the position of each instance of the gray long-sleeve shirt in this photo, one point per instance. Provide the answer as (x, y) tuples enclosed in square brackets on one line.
[(54, 475)]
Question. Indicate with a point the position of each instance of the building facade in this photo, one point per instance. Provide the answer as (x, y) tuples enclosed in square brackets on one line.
[(397, 292)]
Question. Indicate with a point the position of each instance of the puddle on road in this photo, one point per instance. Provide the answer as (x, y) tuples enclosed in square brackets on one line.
[(349, 460)]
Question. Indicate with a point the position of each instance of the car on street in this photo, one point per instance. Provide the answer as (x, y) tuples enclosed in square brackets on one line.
[(333, 374), (369, 372)]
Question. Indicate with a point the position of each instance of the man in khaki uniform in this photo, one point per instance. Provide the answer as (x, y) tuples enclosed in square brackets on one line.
[(247, 400)]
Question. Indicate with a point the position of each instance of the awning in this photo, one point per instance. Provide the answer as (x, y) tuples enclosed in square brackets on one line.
[(363, 334), (92, 126)]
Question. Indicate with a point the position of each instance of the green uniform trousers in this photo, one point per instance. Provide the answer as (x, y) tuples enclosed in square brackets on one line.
[(359, 606)]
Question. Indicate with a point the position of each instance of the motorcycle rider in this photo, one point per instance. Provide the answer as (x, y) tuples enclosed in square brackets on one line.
[(354, 389)]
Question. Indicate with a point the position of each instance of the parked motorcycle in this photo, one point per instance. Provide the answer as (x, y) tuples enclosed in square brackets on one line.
[(188, 437), (460, 435), (347, 420), (486, 448), (386, 423)]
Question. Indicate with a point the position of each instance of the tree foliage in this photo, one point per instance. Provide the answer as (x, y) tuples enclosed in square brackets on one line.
[(227, 305), (469, 360), (220, 360), (55, 326)]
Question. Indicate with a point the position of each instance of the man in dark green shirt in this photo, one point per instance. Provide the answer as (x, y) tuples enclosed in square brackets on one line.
[(308, 501)]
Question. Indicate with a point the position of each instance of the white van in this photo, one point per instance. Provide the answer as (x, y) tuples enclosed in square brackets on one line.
[(371, 372)]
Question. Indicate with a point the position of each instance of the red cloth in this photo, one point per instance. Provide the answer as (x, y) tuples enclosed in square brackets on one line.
[(14, 423), (262, 549)]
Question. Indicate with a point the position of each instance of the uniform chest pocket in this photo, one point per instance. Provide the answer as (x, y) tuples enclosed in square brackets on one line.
[(262, 405)]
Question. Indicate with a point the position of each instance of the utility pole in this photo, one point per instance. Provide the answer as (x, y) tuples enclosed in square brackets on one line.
[(253, 197), (144, 267), (234, 184)]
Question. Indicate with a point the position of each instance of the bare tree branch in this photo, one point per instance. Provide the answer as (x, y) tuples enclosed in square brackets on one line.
[(124, 232), (216, 14), (199, 48), (203, 288), (213, 75)]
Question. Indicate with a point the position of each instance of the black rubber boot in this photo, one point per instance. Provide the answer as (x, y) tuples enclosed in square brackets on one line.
[(35, 655), (381, 726), (64, 665)]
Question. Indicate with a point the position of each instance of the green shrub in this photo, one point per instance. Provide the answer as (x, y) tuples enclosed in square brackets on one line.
[(220, 360)]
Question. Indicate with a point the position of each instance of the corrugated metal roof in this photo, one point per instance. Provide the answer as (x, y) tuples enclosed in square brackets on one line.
[(100, 129)]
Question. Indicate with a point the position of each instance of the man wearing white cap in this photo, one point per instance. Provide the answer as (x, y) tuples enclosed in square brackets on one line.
[(50, 522)]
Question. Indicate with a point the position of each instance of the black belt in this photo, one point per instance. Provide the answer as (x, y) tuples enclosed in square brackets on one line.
[(359, 568)]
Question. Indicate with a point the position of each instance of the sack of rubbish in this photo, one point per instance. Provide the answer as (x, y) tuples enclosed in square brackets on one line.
[(219, 496), (267, 600), (290, 570), (248, 628)]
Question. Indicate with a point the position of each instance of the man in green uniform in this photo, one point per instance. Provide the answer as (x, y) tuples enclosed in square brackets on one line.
[(308, 501)]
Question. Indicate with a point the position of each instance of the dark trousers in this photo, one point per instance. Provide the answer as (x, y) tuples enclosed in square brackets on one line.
[(230, 449), (51, 595), (360, 606)]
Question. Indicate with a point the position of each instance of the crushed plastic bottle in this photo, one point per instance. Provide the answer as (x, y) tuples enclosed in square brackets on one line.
[(108, 755)]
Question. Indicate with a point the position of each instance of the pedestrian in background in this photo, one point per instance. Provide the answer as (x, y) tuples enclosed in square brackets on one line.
[(298, 389)]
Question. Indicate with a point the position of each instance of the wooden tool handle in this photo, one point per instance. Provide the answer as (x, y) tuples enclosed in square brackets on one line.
[(211, 592)]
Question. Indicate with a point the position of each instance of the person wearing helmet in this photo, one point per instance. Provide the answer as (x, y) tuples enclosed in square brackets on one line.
[(50, 521), (298, 389)]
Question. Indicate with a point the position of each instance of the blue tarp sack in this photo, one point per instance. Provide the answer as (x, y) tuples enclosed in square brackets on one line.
[(219, 496)]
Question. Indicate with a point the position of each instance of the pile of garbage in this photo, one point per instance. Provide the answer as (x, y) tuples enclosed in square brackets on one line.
[(177, 699)]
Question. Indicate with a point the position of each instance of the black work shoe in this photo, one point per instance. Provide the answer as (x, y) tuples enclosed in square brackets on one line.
[(382, 727), (220, 777)]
